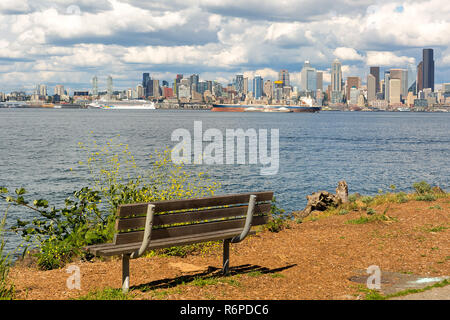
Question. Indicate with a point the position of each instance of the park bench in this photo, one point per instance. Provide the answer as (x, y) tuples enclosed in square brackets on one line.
[(166, 224)]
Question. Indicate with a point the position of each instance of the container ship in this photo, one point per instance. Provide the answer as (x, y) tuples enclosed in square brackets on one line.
[(305, 106)]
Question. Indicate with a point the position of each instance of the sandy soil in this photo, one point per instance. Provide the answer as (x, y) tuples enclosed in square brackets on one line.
[(311, 260)]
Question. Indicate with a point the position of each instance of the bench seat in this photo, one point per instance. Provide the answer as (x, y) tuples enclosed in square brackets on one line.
[(111, 249)]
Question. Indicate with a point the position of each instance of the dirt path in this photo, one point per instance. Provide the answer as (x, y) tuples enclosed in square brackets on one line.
[(311, 260)]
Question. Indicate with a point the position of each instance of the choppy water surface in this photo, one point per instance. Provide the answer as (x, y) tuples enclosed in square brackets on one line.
[(370, 151)]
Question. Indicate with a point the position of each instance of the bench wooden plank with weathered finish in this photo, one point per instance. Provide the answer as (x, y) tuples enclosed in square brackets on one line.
[(148, 226)]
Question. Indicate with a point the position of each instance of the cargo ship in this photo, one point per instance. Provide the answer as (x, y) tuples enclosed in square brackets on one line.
[(306, 105)]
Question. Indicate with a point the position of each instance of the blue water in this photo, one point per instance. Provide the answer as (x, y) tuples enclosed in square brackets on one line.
[(371, 151)]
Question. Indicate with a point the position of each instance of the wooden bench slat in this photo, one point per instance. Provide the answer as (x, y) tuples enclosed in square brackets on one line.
[(164, 206), (172, 242), (136, 236), (190, 216)]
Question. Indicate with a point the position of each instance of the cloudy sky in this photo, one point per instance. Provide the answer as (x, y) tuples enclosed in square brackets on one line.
[(68, 42)]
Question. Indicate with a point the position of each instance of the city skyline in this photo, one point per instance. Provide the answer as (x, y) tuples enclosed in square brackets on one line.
[(79, 40)]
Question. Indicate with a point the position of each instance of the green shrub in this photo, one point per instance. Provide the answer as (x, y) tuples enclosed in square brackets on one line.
[(426, 197), (422, 188), (88, 217), (401, 197), (277, 221)]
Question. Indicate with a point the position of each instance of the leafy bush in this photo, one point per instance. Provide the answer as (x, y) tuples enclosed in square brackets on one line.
[(277, 221), (88, 217), (422, 187)]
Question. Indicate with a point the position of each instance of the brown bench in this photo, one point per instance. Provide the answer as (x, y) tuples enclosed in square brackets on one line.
[(165, 224)]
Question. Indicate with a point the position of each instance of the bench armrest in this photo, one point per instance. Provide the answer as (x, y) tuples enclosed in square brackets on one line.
[(147, 232), (248, 221)]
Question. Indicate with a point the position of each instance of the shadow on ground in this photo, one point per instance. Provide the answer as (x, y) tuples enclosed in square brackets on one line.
[(211, 273)]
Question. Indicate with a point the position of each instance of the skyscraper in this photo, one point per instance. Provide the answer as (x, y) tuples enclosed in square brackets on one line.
[(428, 69), (308, 78), (375, 71), (402, 75), (239, 83), (257, 87), (336, 76), (387, 80), (283, 75), (95, 86), (371, 87), (420, 76), (352, 82), (395, 90), (145, 82), (319, 85), (109, 87)]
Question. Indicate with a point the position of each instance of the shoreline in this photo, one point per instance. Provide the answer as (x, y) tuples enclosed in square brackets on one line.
[(330, 247)]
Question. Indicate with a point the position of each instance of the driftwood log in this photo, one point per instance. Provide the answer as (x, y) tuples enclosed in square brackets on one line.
[(322, 200)]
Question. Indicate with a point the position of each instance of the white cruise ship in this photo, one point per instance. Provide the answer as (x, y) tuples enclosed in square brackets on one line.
[(123, 105)]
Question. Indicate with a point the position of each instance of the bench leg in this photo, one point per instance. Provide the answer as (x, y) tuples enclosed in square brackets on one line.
[(125, 273), (226, 256)]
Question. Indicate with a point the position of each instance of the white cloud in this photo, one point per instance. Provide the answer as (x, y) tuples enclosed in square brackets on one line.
[(347, 54), (386, 58)]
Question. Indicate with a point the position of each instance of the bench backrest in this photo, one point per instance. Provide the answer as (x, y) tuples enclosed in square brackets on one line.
[(179, 218)]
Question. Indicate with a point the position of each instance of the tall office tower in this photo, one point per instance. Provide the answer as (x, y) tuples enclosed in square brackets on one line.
[(95, 86), (308, 78), (395, 91), (352, 82), (59, 90), (176, 84), (194, 79), (319, 80), (336, 76), (156, 89), (387, 79), (428, 69), (283, 75), (257, 87), (371, 87), (42, 89), (375, 71), (402, 75), (140, 91), (245, 85), (239, 83), (420, 76), (268, 89), (109, 87)]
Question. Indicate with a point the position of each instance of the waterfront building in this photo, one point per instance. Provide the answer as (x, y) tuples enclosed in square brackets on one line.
[(156, 89), (395, 91), (371, 87), (245, 86), (257, 87), (375, 71), (428, 69)]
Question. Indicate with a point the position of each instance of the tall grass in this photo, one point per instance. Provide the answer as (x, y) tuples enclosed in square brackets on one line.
[(6, 287)]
